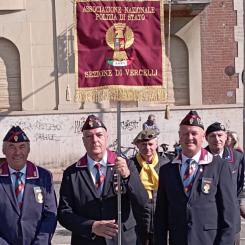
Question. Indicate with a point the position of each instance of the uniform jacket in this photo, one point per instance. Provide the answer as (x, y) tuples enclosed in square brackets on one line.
[(145, 221), (235, 161), (36, 222), (80, 204), (204, 218)]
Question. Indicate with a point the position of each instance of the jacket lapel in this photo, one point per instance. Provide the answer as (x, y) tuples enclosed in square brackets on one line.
[(228, 155), (86, 176), (110, 173), (205, 159), (27, 194), (6, 183), (197, 179), (109, 179), (32, 177)]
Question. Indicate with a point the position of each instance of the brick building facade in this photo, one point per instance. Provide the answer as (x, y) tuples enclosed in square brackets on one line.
[(219, 50)]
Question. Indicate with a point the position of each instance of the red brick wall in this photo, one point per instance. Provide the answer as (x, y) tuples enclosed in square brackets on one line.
[(219, 50)]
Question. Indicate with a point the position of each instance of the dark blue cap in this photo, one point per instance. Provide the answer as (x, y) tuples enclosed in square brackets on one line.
[(217, 126), (16, 135)]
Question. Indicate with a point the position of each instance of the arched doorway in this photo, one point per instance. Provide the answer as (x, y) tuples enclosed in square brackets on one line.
[(10, 82)]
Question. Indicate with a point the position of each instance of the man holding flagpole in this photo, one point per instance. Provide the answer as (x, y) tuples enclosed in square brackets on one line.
[(88, 194)]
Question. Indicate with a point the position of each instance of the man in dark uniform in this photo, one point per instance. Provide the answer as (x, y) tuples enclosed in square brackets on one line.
[(148, 163), (27, 199), (216, 137), (88, 193), (195, 200)]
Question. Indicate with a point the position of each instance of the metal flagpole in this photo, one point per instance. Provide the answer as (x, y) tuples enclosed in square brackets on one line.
[(243, 76), (119, 208)]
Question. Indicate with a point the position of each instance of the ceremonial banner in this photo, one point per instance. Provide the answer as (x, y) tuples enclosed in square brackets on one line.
[(120, 45)]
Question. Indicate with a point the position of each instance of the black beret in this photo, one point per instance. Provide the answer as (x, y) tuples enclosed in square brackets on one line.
[(192, 119), (145, 135), (215, 127), (93, 122), (16, 135)]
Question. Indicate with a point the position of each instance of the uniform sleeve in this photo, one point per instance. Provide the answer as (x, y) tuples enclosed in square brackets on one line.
[(49, 215), (226, 203), (160, 218)]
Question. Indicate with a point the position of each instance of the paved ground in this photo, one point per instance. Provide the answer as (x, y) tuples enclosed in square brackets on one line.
[(61, 236), (242, 234)]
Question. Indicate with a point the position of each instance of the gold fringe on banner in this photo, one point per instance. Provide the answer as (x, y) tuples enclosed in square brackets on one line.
[(120, 93)]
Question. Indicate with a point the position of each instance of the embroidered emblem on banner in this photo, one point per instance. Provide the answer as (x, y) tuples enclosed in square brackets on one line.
[(119, 37)]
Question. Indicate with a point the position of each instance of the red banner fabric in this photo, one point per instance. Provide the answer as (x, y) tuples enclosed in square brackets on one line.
[(119, 50)]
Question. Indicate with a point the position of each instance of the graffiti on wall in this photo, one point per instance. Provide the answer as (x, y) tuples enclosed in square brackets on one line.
[(130, 125), (40, 125), (78, 125), (42, 130), (46, 137)]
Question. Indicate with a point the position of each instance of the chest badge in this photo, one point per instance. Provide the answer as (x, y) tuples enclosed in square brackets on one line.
[(206, 185), (38, 194)]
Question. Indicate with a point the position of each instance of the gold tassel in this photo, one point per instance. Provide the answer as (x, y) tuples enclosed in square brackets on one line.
[(167, 112), (68, 93)]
